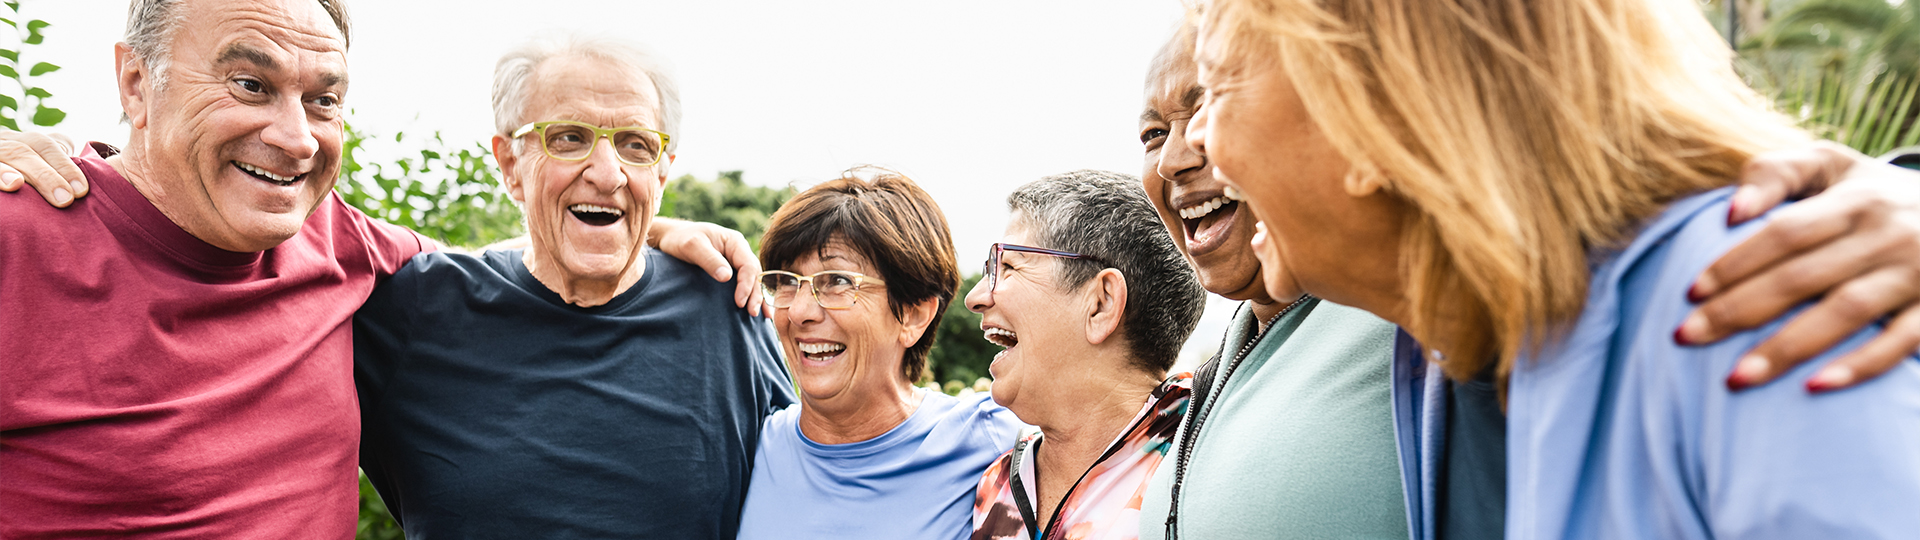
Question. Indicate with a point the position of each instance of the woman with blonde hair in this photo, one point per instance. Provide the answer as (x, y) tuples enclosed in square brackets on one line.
[(1529, 188)]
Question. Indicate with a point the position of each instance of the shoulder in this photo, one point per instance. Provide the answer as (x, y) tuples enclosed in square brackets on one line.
[(683, 278), (987, 424), (462, 267)]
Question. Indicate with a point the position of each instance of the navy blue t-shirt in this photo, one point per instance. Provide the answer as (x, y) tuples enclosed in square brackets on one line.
[(492, 409)]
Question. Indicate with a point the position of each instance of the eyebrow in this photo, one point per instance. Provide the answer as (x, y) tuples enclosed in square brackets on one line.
[(1152, 115), (241, 52), (1192, 99)]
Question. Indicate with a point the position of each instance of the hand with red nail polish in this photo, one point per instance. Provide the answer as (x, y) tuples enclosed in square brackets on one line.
[(1853, 246)]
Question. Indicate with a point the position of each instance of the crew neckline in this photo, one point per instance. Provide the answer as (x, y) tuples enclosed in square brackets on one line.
[(516, 260), (922, 415), (119, 192)]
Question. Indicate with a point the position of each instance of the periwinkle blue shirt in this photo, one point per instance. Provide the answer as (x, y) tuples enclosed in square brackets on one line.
[(915, 481), (1618, 432)]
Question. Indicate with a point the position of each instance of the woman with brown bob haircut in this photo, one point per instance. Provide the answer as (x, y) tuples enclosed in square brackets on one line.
[(860, 269)]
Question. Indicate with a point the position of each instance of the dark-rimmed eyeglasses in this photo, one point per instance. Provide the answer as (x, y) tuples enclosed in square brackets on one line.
[(991, 272), (833, 289)]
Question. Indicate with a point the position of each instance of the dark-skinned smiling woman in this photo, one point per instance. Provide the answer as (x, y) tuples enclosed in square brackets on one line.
[(860, 270)]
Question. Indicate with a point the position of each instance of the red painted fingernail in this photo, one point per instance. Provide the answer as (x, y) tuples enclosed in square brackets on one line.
[(1680, 337), (1694, 295), (1736, 384), (1732, 210), (1829, 379)]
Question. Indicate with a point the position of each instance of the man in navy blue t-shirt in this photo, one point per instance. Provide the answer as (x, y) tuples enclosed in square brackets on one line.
[(583, 388)]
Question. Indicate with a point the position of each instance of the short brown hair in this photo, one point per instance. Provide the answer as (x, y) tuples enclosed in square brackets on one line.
[(885, 217)]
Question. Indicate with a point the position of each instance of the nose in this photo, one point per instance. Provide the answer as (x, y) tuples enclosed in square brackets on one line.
[(604, 170), (805, 309), (1177, 157), (981, 296), (1199, 128), (290, 131)]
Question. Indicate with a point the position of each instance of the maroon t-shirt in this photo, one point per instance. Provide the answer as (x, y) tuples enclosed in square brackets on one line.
[(153, 384)]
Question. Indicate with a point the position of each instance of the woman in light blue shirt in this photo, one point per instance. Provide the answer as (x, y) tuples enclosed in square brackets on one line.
[(860, 270), (1529, 189)]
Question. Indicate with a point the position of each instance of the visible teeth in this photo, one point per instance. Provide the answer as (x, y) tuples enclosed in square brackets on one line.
[(1002, 337), (821, 348), (1201, 210), (1235, 194), (599, 209), (263, 172)]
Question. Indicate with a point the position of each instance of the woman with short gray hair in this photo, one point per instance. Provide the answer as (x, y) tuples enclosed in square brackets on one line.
[(1092, 301)]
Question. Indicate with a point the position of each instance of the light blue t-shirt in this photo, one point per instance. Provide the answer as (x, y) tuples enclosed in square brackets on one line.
[(1617, 432), (915, 481)]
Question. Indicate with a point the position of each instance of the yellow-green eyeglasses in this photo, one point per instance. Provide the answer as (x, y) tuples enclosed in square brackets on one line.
[(833, 289), (567, 140)]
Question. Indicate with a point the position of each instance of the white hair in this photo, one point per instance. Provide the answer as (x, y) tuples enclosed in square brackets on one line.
[(513, 77)]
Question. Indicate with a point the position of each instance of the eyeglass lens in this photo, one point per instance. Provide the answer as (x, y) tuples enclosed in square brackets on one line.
[(834, 290), (567, 141)]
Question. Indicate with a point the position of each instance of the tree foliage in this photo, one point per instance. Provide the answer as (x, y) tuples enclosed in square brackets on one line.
[(452, 196), (1848, 70), (726, 201), (961, 352), (14, 67)]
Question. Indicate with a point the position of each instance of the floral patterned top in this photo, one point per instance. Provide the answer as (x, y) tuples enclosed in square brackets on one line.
[(1105, 503)]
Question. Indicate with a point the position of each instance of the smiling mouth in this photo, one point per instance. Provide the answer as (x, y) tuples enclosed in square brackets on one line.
[(1208, 220), (820, 352), (598, 216), (264, 176), (1002, 337)]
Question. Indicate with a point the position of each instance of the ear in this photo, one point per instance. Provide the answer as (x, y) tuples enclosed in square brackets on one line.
[(915, 320), (131, 74), (1362, 181), (1107, 292), (509, 176), (660, 189)]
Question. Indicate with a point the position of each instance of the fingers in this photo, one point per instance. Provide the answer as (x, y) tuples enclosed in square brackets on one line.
[(42, 163), (1850, 308), (10, 179), (1773, 177), (740, 255), (1811, 223), (1895, 344)]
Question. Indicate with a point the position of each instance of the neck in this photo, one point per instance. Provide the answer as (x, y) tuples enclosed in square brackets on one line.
[(583, 291), (132, 165), (1265, 309), (831, 423), (1077, 435)]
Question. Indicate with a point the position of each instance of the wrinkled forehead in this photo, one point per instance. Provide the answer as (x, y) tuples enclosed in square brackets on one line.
[(293, 27), (1173, 84), (597, 91)]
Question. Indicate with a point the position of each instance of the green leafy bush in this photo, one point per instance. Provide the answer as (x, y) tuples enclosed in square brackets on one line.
[(14, 67), (452, 196)]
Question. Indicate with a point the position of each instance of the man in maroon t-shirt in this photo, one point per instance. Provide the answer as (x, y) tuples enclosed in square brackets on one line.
[(176, 352)]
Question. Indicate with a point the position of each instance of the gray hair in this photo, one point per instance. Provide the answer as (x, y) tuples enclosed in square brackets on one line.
[(151, 23), (513, 77), (1107, 215)]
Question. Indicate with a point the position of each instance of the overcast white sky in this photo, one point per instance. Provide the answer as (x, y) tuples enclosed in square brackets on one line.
[(970, 99)]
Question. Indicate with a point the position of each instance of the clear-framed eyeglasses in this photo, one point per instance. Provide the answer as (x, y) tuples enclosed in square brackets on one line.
[(991, 272), (567, 140), (833, 289)]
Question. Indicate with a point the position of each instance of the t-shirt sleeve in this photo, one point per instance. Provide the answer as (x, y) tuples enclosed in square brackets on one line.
[(769, 368), (380, 336), (389, 246)]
